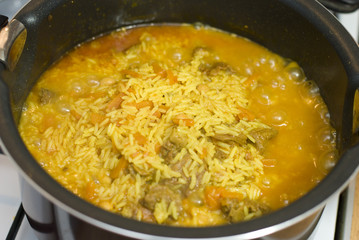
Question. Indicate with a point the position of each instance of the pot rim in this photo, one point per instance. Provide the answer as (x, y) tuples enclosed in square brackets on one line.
[(313, 201)]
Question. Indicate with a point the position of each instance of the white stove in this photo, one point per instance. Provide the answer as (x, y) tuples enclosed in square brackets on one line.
[(335, 222)]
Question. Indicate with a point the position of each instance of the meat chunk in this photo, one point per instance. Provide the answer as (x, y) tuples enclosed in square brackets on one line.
[(206, 57), (173, 146), (177, 166), (179, 139), (234, 208), (220, 155), (180, 164), (131, 210), (147, 215), (45, 96), (160, 193), (168, 151), (262, 136), (239, 139), (210, 66), (218, 67)]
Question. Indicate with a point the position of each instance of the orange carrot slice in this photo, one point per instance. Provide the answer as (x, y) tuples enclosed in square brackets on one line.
[(115, 103)]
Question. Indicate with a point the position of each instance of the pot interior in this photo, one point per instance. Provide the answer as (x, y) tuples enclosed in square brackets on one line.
[(299, 30)]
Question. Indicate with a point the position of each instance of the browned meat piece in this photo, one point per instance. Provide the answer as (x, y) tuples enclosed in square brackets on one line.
[(241, 139), (234, 208), (177, 166), (45, 96), (199, 177), (175, 186), (168, 151), (209, 64), (172, 147), (220, 155), (204, 67), (131, 211), (207, 58), (179, 139), (183, 188), (262, 136), (159, 193), (218, 67), (147, 215)]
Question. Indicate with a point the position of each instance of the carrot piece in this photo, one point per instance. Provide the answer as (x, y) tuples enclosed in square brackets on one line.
[(97, 118), (130, 117), (245, 114), (96, 95), (158, 70), (163, 108), (141, 140), (171, 77), (157, 114), (158, 148), (116, 171), (75, 114), (144, 103), (267, 162), (116, 101), (90, 191), (130, 73), (131, 90), (188, 122), (184, 119), (187, 206), (212, 197), (48, 120), (229, 194), (204, 153)]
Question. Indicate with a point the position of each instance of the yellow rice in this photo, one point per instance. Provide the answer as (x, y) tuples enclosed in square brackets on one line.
[(90, 151)]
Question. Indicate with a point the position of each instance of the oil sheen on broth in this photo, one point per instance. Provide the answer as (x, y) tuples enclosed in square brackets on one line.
[(179, 125)]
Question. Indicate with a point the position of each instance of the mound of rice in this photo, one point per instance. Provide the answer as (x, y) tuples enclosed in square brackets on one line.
[(107, 143)]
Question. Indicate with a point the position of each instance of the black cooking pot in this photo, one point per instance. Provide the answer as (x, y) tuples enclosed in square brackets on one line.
[(301, 30)]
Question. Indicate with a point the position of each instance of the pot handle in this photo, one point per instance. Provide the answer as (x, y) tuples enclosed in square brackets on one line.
[(343, 6), (355, 128), (12, 40), (3, 21)]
